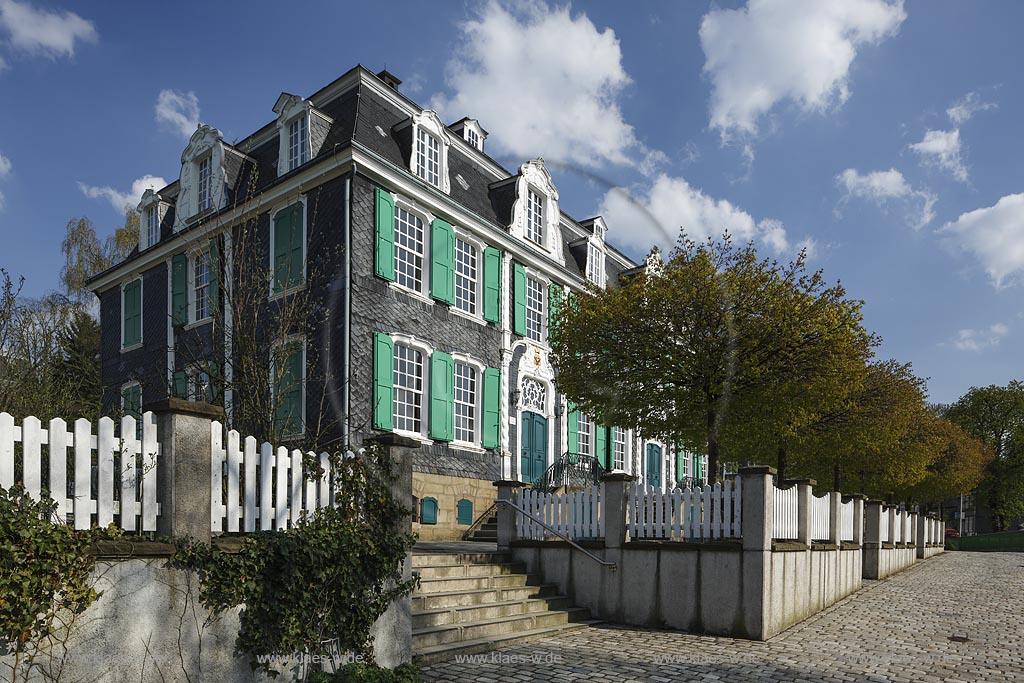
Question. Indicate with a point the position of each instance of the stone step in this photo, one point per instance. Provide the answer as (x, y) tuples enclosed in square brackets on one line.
[(423, 602), (463, 614), (453, 571), (438, 559), (485, 537), (490, 628), (477, 582), (439, 653)]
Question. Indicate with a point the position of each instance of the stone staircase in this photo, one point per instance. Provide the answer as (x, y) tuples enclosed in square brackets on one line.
[(487, 532), (471, 602)]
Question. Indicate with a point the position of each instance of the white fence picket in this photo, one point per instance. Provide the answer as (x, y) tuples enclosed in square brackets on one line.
[(126, 471), (249, 462), (821, 516), (6, 451), (150, 460), (846, 522), (786, 522), (31, 442), (57, 436), (234, 462), (105, 471)]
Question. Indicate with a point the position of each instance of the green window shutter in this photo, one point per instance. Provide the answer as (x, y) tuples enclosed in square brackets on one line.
[(288, 248), (519, 291), (214, 292), (180, 388), (384, 261), (289, 395), (383, 381), (464, 512), (213, 387), (491, 425), (554, 304), (442, 261), (601, 446), (442, 396), (132, 313), (179, 289), (131, 398), (492, 285), (573, 422), (428, 511)]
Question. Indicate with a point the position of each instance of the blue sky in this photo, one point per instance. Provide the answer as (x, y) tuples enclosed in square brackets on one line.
[(883, 136)]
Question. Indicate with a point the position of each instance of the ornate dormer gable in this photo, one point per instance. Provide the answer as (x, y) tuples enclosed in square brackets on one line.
[(301, 131), (429, 142), (596, 253), (203, 182), (152, 210), (535, 215), (472, 132)]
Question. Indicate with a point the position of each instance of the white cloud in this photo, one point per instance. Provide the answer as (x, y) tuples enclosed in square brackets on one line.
[(544, 82), (978, 340), (5, 166), (962, 110), (119, 200), (885, 187), (772, 51), (994, 235), (942, 148), (656, 216), (41, 32), (178, 110)]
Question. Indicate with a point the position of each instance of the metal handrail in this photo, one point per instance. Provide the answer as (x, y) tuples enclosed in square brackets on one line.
[(562, 536), (479, 522)]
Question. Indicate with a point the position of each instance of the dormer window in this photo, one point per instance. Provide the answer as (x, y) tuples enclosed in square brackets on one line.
[(534, 217), (471, 131), (152, 225), (206, 183), (298, 142), (428, 157), (595, 264), (473, 138), (152, 210)]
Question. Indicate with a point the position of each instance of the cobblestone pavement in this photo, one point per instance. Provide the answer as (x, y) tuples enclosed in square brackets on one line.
[(894, 630)]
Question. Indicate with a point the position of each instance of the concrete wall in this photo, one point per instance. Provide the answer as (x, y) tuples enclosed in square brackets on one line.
[(148, 625), (712, 588), (886, 559)]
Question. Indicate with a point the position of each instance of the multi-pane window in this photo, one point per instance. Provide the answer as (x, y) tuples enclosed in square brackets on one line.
[(201, 286), (472, 138), (618, 448), (428, 157), (584, 432), (465, 276), (408, 249), (534, 217), (289, 375), (298, 142), (534, 309), (408, 383), (206, 183), (152, 226), (131, 313), (595, 265), (465, 403), (200, 389)]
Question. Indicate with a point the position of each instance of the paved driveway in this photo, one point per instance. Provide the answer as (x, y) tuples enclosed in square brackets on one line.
[(898, 629)]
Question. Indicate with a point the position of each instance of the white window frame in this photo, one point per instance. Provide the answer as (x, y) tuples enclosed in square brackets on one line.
[(595, 263), (204, 203), (289, 341), (478, 369), (618, 463), (298, 150), (584, 428), (478, 284), (142, 312), (270, 252), (126, 386), (423, 291), (542, 327), (152, 225), (193, 307), (427, 147), (193, 375), (535, 216), (472, 137), (424, 394)]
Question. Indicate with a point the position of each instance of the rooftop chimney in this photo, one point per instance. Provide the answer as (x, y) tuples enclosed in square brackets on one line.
[(389, 79)]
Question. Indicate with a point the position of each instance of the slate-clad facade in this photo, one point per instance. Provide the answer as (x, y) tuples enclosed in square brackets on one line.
[(428, 274)]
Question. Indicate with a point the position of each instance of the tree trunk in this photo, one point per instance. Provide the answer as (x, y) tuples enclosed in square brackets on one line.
[(712, 473), (783, 463), (835, 476)]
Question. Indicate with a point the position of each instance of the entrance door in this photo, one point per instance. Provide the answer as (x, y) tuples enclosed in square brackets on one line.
[(653, 465), (534, 446)]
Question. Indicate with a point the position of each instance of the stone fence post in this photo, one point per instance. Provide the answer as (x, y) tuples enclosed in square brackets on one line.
[(615, 508), (891, 521), (804, 492), (858, 518), (183, 466), (758, 507), (506, 515), (921, 522), (835, 518)]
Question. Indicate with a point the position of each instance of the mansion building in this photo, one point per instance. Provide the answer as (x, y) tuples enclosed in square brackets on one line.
[(427, 272)]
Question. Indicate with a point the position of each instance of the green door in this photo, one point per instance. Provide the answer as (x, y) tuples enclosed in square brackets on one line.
[(653, 465), (534, 445)]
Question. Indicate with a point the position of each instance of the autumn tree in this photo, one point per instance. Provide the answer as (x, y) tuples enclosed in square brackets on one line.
[(959, 461), (85, 254), (718, 341)]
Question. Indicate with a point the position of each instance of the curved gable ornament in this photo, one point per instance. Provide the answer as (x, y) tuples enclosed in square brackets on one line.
[(534, 175)]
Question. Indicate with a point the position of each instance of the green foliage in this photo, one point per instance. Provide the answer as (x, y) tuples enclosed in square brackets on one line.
[(85, 255), (44, 568), (364, 673), (330, 577)]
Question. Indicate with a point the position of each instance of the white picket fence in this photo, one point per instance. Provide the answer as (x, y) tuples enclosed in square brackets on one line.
[(112, 476), (576, 514), (261, 488), (821, 517), (898, 534), (786, 513), (706, 512), (846, 525)]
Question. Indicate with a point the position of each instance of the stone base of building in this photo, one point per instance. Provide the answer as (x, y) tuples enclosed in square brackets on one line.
[(448, 491)]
